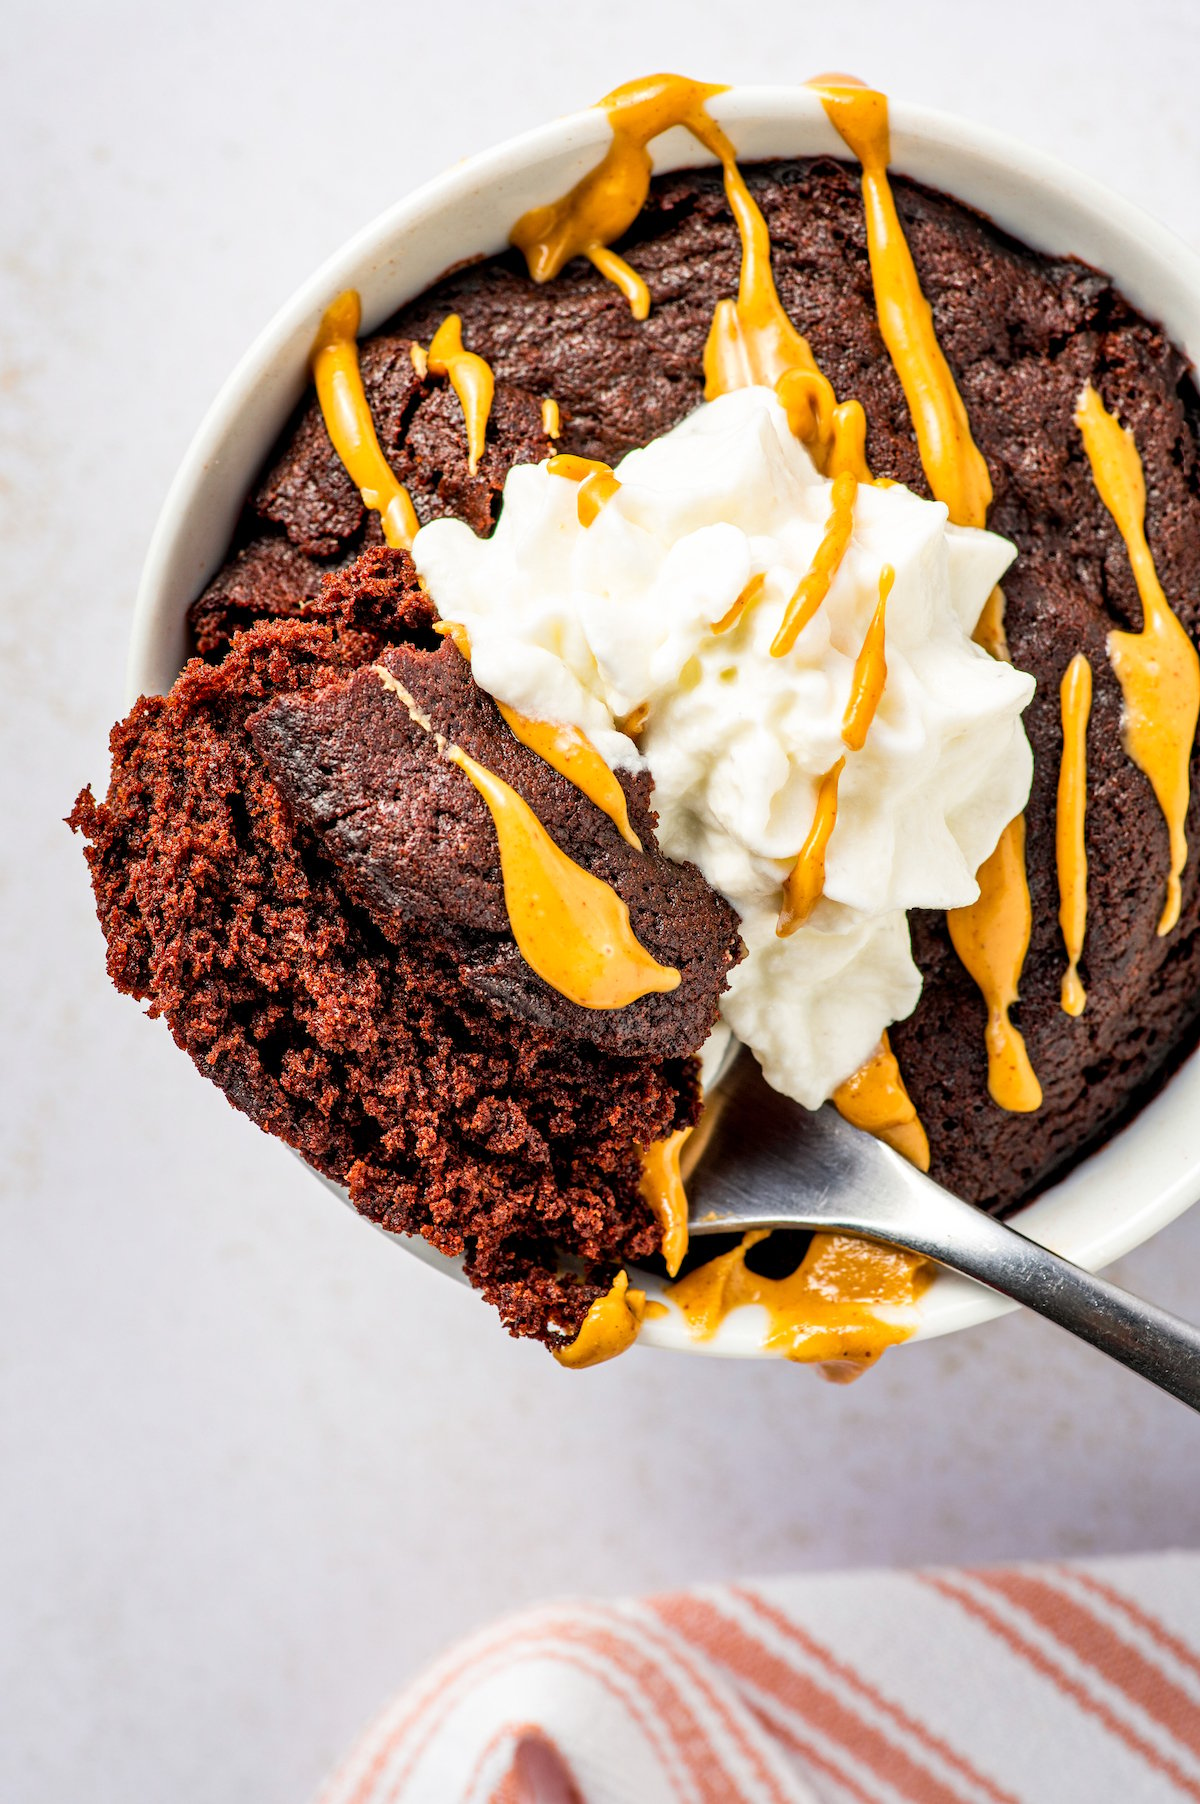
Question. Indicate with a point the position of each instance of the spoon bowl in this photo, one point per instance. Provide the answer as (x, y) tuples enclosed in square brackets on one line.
[(764, 1162)]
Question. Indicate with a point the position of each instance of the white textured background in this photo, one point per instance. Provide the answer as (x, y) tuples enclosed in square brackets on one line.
[(258, 1465)]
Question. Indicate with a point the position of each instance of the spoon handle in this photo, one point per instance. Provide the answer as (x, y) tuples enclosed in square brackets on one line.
[(1143, 1337), (760, 1161)]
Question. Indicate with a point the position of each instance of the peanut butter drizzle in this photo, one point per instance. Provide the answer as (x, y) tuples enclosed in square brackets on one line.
[(575, 469), (597, 484), (349, 424), (570, 927), (594, 491), (870, 672), (1158, 669), (1075, 695), (605, 203), (610, 1327), (875, 1099), (815, 584), (834, 1307), (551, 417), (471, 379), (952, 461), (752, 339), (574, 757), (661, 1186), (631, 724), (745, 600), (614, 269), (991, 936), (753, 342), (989, 628), (566, 748), (806, 881)]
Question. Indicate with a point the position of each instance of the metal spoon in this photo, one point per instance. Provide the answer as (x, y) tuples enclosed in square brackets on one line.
[(761, 1161)]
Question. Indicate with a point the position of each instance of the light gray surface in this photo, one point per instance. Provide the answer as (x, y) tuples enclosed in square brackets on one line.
[(257, 1465)]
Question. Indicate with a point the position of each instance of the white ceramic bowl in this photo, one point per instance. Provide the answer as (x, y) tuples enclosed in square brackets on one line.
[(1147, 1174)]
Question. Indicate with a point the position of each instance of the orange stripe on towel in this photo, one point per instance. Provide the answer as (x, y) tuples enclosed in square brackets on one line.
[(1150, 1626), (670, 1723), (856, 1683), (748, 1660), (1099, 1646), (1069, 1686)]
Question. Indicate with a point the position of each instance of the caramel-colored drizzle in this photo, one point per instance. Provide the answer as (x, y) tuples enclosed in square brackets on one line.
[(419, 358), (815, 584), (991, 936), (457, 634), (989, 628), (740, 604), (957, 472), (471, 379), (597, 484), (594, 491), (605, 203), (661, 1186), (349, 424), (806, 880), (570, 927), (1075, 695), (573, 755), (632, 724), (875, 1099), (566, 748), (610, 1327), (836, 1305), (1158, 669), (752, 339), (551, 417), (870, 672), (614, 269)]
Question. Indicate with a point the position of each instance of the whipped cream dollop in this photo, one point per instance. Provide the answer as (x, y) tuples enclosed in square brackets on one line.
[(592, 625)]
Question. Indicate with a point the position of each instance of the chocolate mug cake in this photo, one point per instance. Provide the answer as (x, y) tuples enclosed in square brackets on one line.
[(615, 646)]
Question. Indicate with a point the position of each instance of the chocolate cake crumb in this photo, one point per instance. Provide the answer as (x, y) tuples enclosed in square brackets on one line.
[(420, 428), (416, 845), (496, 1138), (306, 516), (269, 578)]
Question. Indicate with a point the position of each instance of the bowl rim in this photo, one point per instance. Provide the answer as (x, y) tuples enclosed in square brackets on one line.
[(1154, 1159)]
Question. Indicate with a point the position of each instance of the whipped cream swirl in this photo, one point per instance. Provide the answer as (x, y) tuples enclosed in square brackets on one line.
[(587, 625)]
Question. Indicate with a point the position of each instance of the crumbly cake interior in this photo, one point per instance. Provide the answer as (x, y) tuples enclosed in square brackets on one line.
[(262, 919), (495, 1138)]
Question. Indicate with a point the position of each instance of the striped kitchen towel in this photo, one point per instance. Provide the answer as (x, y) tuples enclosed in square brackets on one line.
[(1073, 1684)]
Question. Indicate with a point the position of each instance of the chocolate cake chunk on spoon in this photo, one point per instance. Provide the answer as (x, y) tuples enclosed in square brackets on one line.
[(347, 975)]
